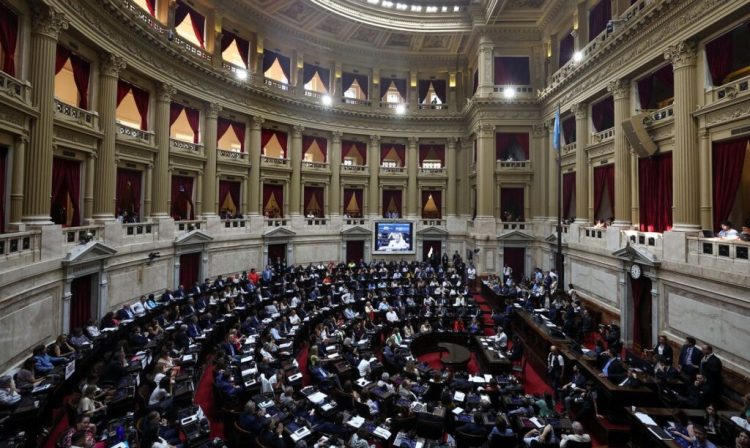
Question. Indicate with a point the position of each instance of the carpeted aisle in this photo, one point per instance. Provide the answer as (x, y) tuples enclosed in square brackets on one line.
[(204, 397)]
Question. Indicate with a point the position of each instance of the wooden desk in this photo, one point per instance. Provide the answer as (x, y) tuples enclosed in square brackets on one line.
[(458, 356), (641, 436), (492, 362)]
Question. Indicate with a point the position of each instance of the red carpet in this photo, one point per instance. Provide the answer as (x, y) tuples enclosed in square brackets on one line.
[(433, 360), (204, 397), (302, 363)]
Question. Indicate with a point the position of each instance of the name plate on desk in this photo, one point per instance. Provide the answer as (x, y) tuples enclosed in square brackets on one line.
[(70, 369)]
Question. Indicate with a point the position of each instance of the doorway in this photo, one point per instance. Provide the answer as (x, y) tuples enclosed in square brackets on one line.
[(276, 251), (435, 246), (355, 251), (640, 293), (81, 301), (189, 269)]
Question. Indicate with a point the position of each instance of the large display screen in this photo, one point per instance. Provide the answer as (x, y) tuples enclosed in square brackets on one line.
[(394, 237)]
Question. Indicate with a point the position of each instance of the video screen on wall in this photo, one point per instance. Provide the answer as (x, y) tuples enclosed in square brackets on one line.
[(393, 237)]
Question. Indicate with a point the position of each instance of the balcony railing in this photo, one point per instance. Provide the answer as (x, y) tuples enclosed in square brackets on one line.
[(720, 249), (392, 170), (276, 222), (140, 231), (130, 133), (237, 72), (274, 161), (522, 91), (188, 225), (235, 225), (231, 155), (355, 101), (315, 165), (354, 221), (74, 114), (15, 88), (144, 16), (389, 105), (661, 114), (569, 147), (731, 89), (277, 84), (512, 226), (21, 244), (189, 48), (82, 234), (316, 221), (186, 147), (603, 136), (354, 168), (443, 106), (435, 222), (513, 164), (433, 171), (314, 94)]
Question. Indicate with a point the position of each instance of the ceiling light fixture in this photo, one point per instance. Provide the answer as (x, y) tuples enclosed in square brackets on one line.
[(509, 92), (577, 56)]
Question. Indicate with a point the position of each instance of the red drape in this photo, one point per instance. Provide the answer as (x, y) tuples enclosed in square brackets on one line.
[(151, 5), (513, 145), (175, 110), (347, 79), (566, 49), (569, 129), (356, 209), (655, 193), (640, 292), (3, 170), (123, 89), (199, 22), (360, 148), (231, 189), (81, 70), (80, 302), (437, 197), (355, 251), (141, 103), (267, 134), (392, 202), (604, 177), (128, 191), (284, 62), (656, 87), (599, 15), (432, 152), (273, 193), (728, 160), (189, 269), (309, 71), (510, 70), (243, 46), (182, 198), (569, 188), (66, 183), (515, 257), (400, 150), (222, 126), (239, 131), (511, 201), (719, 57), (603, 114), (61, 57), (194, 120), (307, 142), (8, 38), (314, 196)]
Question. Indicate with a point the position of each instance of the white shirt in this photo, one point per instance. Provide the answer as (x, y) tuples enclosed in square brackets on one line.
[(138, 309), (391, 316), (364, 368), (471, 273), (294, 319)]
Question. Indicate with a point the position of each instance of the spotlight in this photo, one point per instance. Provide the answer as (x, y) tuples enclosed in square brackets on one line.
[(577, 56), (509, 92), (326, 100), (400, 109), (241, 74)]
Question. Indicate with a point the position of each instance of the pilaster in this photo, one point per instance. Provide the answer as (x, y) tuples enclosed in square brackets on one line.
[(450, 191), (334, 160), (620, 90), (540, 164), (162, 178), (485, 65), (412, 191), (373, 163), (16, 189), (486, 170), (210, 196), (295, 186), (581, 112), (88, 191), (255, 151)]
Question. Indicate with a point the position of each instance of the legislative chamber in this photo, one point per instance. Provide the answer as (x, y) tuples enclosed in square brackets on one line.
[(374, 223)]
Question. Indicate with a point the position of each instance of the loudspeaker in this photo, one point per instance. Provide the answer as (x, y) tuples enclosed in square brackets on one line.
[(637, 135)]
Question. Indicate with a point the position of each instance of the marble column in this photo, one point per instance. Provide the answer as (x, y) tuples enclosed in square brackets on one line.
[(148, 190), (295, 187), (198, 190), (539, 163), (485, 65), (450, 190), (88, 190), (705, 163), (16, 189), (255, 150), (105, 174), (210, 196), (334, 189), (162, 179), (581, 112), (552, 179), (486, 171), (685, 158), (620, 90), (46, 24), (412, 190), (373, 164), (582, 31)]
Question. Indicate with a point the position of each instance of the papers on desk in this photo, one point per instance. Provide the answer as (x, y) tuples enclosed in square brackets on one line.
[(361, 382), (382, 433), (285, 345), (248, 372), (660, 433), (645, 419), (295, 377), (187, 358), (458, 410), (333, 355), (550, 324), (477, 379), (536, 422), (248, 358), (459, 396), (540, 310), (266, 404), (327, 407), (356, 422), (300, 434), (40, 388), (317, 397)]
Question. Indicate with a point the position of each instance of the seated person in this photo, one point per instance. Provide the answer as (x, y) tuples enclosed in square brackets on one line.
[(578, 435), (88, 405), (25, 378), (547, 435), (727, 232), (61, 347), (475, 427), (501, 427), (44, 363), (78, 339), (8, 395), (699, 439), (161, 396), (156, 433), (612, 369)]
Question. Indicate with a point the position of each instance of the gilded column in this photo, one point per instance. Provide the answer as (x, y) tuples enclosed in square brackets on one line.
[(685, 169), (373, 164), (16, 189), (620, 90), (105, 174), (412, 190), (705, 163), (210, 196), (88, 191), (580, 110), (539, 163), (148, 190), (255, 150), (486, 171), (334, 189), (295, 186), (46, 24), (162, 178), (450, 191)]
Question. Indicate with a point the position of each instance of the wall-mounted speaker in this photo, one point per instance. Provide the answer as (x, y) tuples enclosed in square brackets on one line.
[(637, 135)]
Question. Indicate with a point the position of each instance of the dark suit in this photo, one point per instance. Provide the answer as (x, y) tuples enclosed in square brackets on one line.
[(687, 362), (711, 368), (473, 428), (615, 372), (123, 314)]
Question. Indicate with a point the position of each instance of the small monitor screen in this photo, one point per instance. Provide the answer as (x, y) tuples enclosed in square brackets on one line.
[(393, 237)]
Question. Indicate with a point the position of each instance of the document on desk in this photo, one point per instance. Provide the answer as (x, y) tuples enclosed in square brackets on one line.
[(382, 432), (645, 419), (458, 410), (536, 422), (327, 407), (300, 434), (356, 422), (317, 397), (459, 396)]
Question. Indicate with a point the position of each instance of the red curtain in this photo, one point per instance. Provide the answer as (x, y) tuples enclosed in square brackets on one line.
[(360, 148), (728, 160), (267, 134), (273, 195), (80, 302), (515, 257), (356, 194), (656, 87), (194, 120), (141, 103), (400, 150), (199, 22), (243, 46), (511, 201), (81, 71), (347, 79), (8, 38), (719, 57), (566, 49), (603, 114), (175, 110), (655, 193), (604, 177), (3, 170), (512, 71), (231, 189), (123, 89), (182, 198), (392, 202), (569, 188), (437, 198), (513, 145), (432, 152), (222, 125), (189, 269), (314, 196), (128, 192), (61, 57), (66, 183), (599, 15), (355, 251), (151, 5), (641, 293), (239, 130), (307, 142), (569, 129), (269, 57)]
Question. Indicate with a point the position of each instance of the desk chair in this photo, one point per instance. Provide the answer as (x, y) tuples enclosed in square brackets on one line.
[(466, 440), (241, 437)]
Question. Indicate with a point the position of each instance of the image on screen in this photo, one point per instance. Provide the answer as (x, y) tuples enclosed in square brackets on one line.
[(394, 237)]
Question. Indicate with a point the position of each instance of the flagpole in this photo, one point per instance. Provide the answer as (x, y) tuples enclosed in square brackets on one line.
[(559, 260)]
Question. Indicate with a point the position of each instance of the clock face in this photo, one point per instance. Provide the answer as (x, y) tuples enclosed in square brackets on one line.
[(635, 271)]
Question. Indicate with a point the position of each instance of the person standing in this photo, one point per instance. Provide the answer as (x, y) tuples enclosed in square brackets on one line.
[(555, 365)]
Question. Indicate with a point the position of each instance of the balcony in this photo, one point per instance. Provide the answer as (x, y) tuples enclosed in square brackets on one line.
[(443, 106), (568, 148), (650, 241), (354, 169), (434, 222), (393, 170), (391, 106), (72, 114), (433, 171), (354, 221), (276, 222), (188, 225), (731, 89), (237, 72), (316, 221), (355, 101), (232, 156), (184, 147), (603, 136), (134, 134), (661, 114), (314, 166), (235, 225), (277, 85), (20, 248), (15, 88), (140, 232), (518, 92), (76, 235), (313, 94), (143, 16), (192, 50), (724, 255), (513, 165), (274, 162)]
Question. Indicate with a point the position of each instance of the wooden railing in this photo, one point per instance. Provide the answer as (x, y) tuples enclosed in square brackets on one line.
[(146, 137), (144, 16), (15, 88), (82, 234), (237, 72), (231, 155), (603, 136), (21, 244), (186, 147), (66, 112), (443, 106), (389, 105), (313, 94)]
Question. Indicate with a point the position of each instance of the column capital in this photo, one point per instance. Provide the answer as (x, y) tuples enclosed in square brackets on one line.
[(374, 139), (212, 110), (580, 110), (619, 88), (486, 130), (539, 130), (451, 142), (22, 139), (47, 21), (256, 122), (681, 54), (165, 92), (413, 141), (110, 64), (297, 130), (336, 136)]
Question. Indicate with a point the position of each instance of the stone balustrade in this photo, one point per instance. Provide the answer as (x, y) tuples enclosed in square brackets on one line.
[(66, 112), (138, 135), (185, 147), (603, 136), (15, 88)]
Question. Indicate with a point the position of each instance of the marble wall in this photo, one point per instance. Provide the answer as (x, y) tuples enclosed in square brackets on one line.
[(594, 280)]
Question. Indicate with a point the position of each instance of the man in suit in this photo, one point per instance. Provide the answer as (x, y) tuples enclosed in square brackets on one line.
[(167, 296), (125, 313), (475, 427), (555, 366), (631, 380), (690, 358), (612, 369), (711, 369), (196, 290), (663, 349)]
